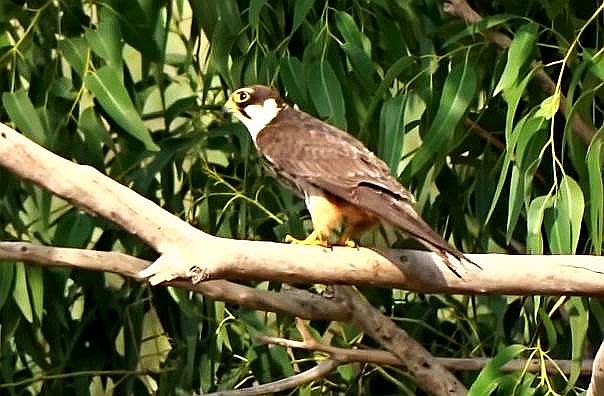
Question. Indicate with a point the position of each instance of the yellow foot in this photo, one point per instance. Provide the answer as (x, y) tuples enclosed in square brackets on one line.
[(349, 243), (313, 239)]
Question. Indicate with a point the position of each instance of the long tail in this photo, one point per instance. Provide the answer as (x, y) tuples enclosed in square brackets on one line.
[(402, 214)]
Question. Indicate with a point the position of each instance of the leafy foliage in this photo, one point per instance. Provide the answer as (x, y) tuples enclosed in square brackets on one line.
[(135, 88)]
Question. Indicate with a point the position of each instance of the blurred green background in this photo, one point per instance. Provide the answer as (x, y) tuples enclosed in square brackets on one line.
[(134, 88)]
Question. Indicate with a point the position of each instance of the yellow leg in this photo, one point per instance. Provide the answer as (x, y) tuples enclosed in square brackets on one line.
[(314, 239)]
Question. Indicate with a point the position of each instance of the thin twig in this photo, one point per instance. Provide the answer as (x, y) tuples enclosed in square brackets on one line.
[(455, 364), (319, 371)]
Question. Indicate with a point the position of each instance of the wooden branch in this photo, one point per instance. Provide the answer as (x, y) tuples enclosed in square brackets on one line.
[(378, 356), (295, 302), (192, 254), (298, 303), (461, 9), (596, 385), (427, 372), (319, 371)]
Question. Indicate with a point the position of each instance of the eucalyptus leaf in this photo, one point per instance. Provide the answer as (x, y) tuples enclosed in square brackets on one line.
[(327, 93), (519, 55), (22, 112), (114, 99)]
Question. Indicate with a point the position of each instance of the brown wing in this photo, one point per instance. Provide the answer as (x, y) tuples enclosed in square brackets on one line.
[(306, 151)]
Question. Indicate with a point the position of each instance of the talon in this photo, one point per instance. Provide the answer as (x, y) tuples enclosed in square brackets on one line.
[(312, 240), (197, 274), (351, 244)]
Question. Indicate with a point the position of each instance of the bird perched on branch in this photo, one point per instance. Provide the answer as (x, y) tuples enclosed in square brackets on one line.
[(346, 188)]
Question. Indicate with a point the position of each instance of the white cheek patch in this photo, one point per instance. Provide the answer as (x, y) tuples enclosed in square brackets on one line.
[(258, 116)]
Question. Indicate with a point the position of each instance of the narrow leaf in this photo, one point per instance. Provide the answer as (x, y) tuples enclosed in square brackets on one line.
[(112, 95), (301, 10), (534, 238), (7, 274), (21, 111), (254, 12), (491, 375), (458, 92), (578, 312), (75, 51), (327, 93), (549, 107), (35, 283), (392, 127), (596, 193), (21, 293), (519, 55), (292, 76)]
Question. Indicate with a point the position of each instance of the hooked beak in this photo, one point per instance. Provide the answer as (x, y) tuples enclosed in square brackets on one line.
[(229, 107)]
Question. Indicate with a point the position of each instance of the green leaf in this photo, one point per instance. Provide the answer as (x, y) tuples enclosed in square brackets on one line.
[(141, 25), (74, 229), (254, 12), (485, 23), (578, 316), (220, 50), (75, 51), (549, 326), (327, 93), (301, 10), (534, 219), (549, 107), (35, 282), (292, 77), (114, 99), (392, 131), (458, 92), (106, 40), (95, 136), (513, 96), (563, 219), (361, 65), (281, 360), (392, 73), (573, 202), (7, 274), (21, 293), (351, 33), (520, 54), (596, 63), (491, 376), (514, 202), (595, 193), (21, 111)]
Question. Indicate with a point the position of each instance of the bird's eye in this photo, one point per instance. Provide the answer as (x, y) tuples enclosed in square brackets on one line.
[(241, 97)]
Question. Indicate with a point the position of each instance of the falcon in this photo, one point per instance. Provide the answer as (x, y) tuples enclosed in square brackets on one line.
[(346, 188)]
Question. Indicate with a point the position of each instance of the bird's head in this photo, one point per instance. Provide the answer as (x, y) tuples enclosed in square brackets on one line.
[(255, 106)]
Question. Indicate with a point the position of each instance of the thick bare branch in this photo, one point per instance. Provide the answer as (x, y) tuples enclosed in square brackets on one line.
[(295, 302), (183, 247), (461, 9), (428, 373)]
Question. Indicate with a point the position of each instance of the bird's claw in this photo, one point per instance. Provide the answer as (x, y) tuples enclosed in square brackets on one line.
[(312, 240)]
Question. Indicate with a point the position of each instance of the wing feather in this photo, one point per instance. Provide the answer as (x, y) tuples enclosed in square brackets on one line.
[(306, 151)]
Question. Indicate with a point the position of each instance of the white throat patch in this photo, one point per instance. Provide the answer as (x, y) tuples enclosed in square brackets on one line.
[(260, 116)]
